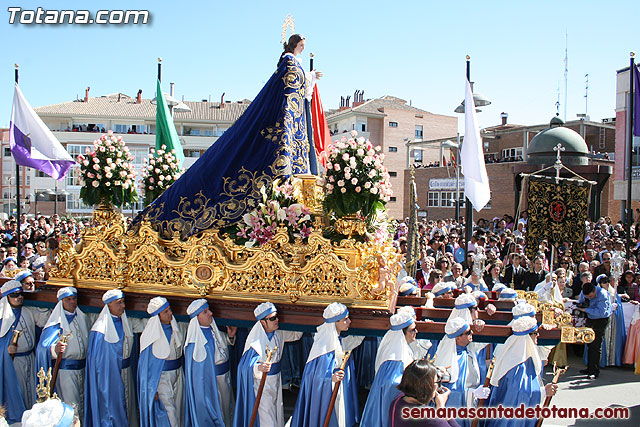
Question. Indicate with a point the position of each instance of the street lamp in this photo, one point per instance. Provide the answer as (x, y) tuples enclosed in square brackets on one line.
[(455, 146), (478, 99)]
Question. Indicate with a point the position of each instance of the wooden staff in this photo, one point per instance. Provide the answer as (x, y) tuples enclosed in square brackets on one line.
[(487, 383), (56, 368), (334, 395), (263, 380), (14, 340), (557, 373)]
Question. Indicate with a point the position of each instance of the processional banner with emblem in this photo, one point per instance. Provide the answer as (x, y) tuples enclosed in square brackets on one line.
[(557, 213)]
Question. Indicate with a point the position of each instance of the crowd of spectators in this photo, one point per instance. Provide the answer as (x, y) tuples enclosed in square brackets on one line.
[(503, 240), (39, 237)]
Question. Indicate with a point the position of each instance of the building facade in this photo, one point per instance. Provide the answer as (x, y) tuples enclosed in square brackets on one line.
[(76, 124), (396, 126), (622, 137), (505, 148)]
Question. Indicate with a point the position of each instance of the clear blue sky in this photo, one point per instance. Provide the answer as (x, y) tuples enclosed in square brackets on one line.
[(411, 49)]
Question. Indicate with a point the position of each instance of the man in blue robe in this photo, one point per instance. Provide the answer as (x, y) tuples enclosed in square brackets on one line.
[(516, 377), (66, 320), (160, 375), (394, 354), (17, 362), (458, 354), (264, 336), (206, 397), (322, 372), (109, 384)]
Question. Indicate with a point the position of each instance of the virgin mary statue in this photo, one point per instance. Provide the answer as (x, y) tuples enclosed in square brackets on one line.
[(271, 140)]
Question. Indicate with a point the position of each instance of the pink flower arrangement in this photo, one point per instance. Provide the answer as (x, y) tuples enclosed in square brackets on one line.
[(363, 187), (160, 170), (107, 173), (277, 209)]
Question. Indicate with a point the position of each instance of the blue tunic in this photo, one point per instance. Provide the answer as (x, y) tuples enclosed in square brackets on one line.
[(315, 393), (152, 411), (482, 360), (202, 402), (383, 390), (518, 386), (365, 361), (245, 397), (105, 397), (49, 336), (10, 391)]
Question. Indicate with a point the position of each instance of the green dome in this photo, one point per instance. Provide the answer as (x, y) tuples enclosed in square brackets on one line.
[(540, 151)]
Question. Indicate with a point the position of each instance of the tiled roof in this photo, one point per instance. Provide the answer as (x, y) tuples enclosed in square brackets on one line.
[(376, 106), (119, 105)]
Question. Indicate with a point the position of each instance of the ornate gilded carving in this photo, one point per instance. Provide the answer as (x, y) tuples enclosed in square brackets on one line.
[(577, 335), (350, 225), (206, 264), (553, 315)]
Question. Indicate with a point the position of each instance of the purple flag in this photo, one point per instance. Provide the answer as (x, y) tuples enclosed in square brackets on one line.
[(32, 143)]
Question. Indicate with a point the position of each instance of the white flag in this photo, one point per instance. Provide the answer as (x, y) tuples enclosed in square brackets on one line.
[(476, 182)]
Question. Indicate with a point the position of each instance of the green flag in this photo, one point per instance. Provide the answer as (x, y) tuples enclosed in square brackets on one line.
[(165, 130)]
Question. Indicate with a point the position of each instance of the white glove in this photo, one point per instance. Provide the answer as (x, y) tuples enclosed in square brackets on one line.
[(614, 306), (481, 392)]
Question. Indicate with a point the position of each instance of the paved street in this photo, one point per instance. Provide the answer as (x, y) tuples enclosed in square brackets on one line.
[(614, 388)]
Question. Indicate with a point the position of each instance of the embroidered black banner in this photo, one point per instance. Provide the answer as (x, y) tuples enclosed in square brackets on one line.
[(557, 213)]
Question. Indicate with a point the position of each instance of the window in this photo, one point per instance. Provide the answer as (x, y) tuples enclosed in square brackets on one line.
[(448, 199), (208, 132), (139, 154), (40, 174), (362, 126), (433, 199), (512, 153), (120, 128), (419, 131), (417, 155), (393, 149), (75, 150), (73, 177), (192, 153), (393, 124), (392, 199), (75, 203), (7, 152), (393, 174)]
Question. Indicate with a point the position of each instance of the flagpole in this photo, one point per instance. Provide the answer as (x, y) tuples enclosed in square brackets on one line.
[(468, 228), (630, 155), (159, 70), (311, 62), (18, 214)]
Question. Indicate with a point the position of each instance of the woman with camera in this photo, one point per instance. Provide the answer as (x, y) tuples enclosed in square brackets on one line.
[(419, 387)]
